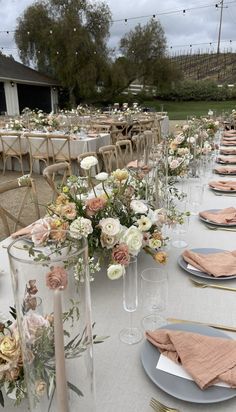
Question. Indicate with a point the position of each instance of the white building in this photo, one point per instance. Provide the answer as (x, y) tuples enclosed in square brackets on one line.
[(21, 86)]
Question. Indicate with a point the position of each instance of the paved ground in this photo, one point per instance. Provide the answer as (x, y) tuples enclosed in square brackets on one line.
[(11, 200)]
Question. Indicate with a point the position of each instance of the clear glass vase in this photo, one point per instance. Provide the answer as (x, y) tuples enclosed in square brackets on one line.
[(52, 295)]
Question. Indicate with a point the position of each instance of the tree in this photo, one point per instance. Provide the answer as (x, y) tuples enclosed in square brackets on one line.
[(145, 50), (66, 39)]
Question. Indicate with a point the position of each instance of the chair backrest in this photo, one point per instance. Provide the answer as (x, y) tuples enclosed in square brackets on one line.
[(100, 128), (12, 220), (56, 175), (109, 157), (139, 146), (118, 132), (38, 148), (95, 169), (124, 152), (11, 144), (60, 148)]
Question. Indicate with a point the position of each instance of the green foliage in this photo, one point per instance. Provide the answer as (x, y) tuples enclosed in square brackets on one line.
[(196, 90), (67, 39)]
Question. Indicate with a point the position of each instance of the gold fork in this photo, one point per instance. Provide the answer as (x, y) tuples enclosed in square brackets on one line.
[(211, 285), (160, 407)]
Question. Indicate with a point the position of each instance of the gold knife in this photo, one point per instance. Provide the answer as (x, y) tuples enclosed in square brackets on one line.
[(212, 325)]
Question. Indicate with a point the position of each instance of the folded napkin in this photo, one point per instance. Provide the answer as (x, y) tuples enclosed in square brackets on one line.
[(226, 159), (227, 151), (229, 136), (224, 216), (225, 170), (230, 133), (231, 142), (207, 359), (215, 264), (25, 231), (223, 184)]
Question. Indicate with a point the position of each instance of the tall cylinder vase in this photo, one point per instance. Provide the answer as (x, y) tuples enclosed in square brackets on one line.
[(53, 308)]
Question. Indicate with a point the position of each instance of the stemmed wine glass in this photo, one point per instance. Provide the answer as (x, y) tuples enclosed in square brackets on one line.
[(131, 334)]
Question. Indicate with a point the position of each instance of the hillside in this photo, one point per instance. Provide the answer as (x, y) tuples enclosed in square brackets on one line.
[(221, 68)]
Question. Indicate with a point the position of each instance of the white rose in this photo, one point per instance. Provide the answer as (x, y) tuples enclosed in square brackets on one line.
[(154, 243), (138, 206), (80, 227), (110, 226), (102, 176), (115, 271), (185, 127), (133, 239), (144, 223), (88, 162)]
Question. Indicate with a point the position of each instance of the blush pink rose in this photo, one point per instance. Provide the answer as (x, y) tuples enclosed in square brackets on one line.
[(94, 205), (69, 211), (120, 254), (57, 278), (40, 231)]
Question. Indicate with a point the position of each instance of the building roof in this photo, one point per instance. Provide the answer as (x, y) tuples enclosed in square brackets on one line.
[(14, 71)]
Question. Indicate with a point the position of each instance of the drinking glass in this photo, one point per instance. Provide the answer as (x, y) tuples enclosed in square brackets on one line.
[(131, 334), (154, 291)]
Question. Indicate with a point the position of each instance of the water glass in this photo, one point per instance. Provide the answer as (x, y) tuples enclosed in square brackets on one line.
[(131, 334), (154, 292)]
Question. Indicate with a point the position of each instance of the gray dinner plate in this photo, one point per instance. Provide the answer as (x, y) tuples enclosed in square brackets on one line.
[(181, 388), (222, 190), (214, 223), (204, 275)]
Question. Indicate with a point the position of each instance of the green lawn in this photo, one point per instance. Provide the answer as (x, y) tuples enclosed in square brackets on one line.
[(184, 110)]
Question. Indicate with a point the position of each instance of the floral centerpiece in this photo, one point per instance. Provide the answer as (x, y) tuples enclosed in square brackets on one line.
[(112, 216), (179, 155), (15, 124)]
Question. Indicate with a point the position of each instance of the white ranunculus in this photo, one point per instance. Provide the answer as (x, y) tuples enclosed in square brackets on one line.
[(110, 226), (80, 227), (138, 206), (144, 223), (115, 271), (133, 238), (102, 176), (88, 162)]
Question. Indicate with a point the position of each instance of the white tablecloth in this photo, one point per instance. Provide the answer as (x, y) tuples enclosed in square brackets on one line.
[(122, 384)]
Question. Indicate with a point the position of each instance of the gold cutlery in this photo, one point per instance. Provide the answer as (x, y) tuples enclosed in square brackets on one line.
[(211, 285), (212, 325), (160, 407), (227, 229)]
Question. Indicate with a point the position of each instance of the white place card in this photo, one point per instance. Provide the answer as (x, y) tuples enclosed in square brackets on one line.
[(167, 365)]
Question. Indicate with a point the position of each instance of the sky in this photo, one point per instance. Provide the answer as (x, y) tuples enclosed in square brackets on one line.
[(198, 27)]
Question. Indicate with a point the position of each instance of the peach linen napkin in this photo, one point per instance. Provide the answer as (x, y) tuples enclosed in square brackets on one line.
[(215, 264), (225, 170), (224, 216), (223, 184), (229, 137), (230, 133), (231, 142), (207, 359), (226, 159), (228, 151)]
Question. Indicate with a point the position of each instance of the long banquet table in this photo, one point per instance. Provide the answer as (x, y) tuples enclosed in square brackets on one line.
[(122, 384)]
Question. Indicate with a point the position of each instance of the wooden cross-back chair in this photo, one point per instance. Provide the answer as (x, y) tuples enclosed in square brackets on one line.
[(38, 149), (10, 220), (56, 175), (60, 148), (109, 157), (124, 152), (139, 142), (12, 148)]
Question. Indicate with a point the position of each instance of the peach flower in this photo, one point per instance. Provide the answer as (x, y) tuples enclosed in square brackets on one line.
[(120, 254), (160, 257), (58, 231), (69, 211), (94, 205), (57, 278)]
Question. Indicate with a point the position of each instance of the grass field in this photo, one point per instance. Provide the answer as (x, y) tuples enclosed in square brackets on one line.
[(184, 110)]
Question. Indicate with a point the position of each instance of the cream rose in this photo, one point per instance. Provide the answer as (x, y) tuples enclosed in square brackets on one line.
[(10, 347), (120, 174), (115, 271), (133, 238), (32, 323), (138, 206), (88, 162), (110, 227)]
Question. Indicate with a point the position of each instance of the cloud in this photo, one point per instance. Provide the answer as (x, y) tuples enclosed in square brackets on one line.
[(181, 29)]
